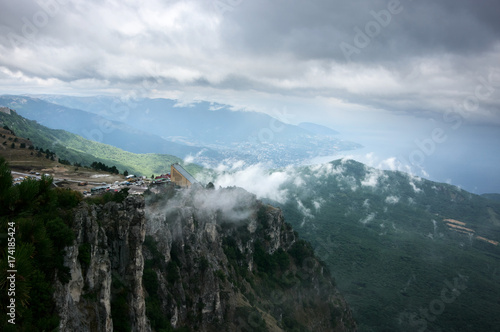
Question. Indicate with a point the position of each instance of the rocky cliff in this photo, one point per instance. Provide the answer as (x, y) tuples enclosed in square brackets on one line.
[(194, 260), (106, 265)]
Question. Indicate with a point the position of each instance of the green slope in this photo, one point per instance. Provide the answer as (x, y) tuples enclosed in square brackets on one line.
[(384, 237), (80, 150)]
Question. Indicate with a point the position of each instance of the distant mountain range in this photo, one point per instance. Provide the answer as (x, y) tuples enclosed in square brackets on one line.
[(409, 254), (97, 128), (318, 129), (206, 131)]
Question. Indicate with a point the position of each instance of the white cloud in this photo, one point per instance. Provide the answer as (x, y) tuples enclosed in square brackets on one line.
[(390, 163), (350, 181), (230, 204), (373, 177), (368, 218), (305, 211), (414, 187), (392, 199), (298, 181), (192, 159), (366, 203), (370, 180), (255, 178), (327, 169), (317, 203)]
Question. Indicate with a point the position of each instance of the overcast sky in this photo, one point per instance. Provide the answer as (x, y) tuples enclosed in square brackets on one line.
[(366, 68)]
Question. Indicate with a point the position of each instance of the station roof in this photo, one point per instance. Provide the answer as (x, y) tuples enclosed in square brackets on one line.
[(184, 173)]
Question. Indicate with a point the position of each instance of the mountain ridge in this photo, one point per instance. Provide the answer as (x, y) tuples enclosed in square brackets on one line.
[(318, 129), (96, 128), (245, 135), (492, 196)]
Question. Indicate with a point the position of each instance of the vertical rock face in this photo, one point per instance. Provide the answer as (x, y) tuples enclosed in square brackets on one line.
[(220, 260), (202, 260), (106, 265)]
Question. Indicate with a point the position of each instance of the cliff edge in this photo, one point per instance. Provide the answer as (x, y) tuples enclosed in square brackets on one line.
[(194, 260)]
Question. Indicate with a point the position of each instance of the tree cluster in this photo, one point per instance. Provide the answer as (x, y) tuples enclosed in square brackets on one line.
[(98, 166), (7, 128), (39, 217), (48, 154)]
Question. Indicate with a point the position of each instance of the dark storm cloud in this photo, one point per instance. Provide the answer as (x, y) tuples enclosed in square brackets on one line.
[(315, 29)]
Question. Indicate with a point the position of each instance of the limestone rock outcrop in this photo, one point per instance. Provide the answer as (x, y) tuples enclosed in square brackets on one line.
[(194, 259)]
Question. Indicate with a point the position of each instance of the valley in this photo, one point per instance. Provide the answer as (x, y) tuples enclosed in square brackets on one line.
[(391, 240), (204, 133)]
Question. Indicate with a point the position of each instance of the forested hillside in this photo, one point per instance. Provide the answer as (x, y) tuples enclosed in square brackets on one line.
[(395, 242)]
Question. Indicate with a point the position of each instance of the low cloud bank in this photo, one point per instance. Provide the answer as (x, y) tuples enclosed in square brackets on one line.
[(229, 204), (297, 185), (257, 179)]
